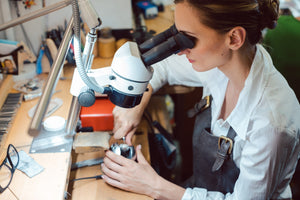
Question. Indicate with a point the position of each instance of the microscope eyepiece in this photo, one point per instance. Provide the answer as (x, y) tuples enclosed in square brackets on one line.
[(173, 45), (158, 39)]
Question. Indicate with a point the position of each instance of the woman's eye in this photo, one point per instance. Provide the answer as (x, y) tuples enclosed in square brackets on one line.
[(194, 39)]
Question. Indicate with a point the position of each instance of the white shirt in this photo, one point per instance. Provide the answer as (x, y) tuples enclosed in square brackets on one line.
[(266, 120)]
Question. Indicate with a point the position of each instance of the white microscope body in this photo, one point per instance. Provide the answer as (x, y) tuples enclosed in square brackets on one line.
[(127, 78), (127, 73)]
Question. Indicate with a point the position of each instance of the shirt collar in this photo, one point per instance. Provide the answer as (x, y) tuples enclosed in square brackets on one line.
[(249, 96), (215, 82), (252, 92)]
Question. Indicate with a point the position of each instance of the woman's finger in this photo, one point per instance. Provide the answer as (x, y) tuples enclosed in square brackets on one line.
[(122, 131), (114, 183), (116, 126), (140, 157), (110, 173), (111, 165), (129, 137), (118, 159)]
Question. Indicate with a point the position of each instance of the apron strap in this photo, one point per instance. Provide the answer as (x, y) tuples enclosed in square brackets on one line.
[(225, 145), (200, 106)]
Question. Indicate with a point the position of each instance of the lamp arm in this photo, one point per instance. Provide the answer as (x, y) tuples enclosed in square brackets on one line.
[(35, 14), (35, 125)]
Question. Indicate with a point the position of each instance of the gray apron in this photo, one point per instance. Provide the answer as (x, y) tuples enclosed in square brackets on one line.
[(213, 166)]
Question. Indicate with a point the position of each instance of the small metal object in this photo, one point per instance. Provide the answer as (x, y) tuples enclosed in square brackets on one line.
[(123, 150), (86, 163)]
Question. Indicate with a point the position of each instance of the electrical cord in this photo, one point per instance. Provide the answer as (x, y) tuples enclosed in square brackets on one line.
[(91, 177)]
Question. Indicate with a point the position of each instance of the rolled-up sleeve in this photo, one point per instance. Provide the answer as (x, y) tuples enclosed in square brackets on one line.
[(175, 70), (196, 193)]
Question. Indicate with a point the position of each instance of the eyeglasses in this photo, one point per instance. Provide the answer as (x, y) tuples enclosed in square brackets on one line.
[(8, 167)]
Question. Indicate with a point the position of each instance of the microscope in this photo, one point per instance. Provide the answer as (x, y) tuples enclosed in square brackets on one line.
[(127, 78)]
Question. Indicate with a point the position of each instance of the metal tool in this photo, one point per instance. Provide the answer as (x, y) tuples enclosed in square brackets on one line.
[(27, 97), (87, 163), (123, 150), (8, 111)]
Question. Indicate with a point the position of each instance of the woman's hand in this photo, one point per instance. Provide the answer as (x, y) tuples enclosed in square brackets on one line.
[(138, 177), (126, 120)]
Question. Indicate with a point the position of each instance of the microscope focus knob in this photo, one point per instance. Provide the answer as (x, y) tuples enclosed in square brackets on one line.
[(86, 98)]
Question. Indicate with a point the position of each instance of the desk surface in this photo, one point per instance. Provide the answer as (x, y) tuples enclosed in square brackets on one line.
[(51, 183), (97, 189)]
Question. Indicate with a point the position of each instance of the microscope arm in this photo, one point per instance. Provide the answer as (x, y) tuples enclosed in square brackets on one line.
[(99, 76)]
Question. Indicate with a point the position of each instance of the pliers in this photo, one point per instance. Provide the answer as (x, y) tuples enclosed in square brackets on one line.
[(43, 50)]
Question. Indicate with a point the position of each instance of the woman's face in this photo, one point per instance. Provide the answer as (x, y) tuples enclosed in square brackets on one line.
[(210, 49), (8, 64)]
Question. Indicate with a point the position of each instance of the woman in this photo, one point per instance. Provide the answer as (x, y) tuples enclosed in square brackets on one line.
[(9, 66), (253, 113)]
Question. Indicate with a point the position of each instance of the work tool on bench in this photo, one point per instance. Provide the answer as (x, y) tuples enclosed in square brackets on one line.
[(44, 50)]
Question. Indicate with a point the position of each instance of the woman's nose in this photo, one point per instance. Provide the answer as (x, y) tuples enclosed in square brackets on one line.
[(185, 51)]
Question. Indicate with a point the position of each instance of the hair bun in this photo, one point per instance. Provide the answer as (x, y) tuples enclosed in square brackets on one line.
[(269, 13)]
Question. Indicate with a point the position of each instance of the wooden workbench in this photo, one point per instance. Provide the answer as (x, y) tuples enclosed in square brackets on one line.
[(97, 189), (51, 183)]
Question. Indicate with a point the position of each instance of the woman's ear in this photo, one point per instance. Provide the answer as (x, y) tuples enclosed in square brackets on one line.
[(237, 37)]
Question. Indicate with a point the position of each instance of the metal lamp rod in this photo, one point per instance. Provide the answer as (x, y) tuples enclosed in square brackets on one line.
[(35, 14), (35, 125)]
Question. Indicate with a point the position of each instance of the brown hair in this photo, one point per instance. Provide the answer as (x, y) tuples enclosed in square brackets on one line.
[(252, 15)]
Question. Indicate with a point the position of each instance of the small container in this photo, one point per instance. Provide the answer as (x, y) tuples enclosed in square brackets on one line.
[(54, 123)]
